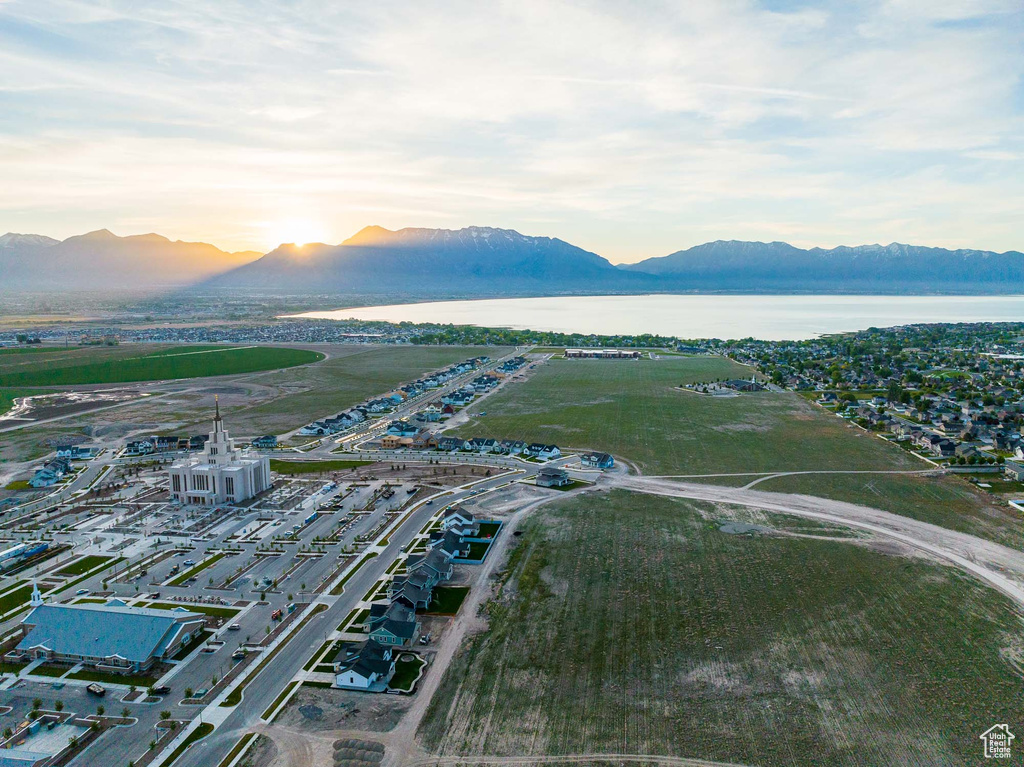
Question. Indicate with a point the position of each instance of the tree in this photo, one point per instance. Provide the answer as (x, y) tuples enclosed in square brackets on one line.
[(58, 705), (100, 710), (126, 712), (188, 692), (165, 715)]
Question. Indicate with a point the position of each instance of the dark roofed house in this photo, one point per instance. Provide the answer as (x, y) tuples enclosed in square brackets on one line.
[(397, 626), (550, 476), (597, 460), (369, 668)]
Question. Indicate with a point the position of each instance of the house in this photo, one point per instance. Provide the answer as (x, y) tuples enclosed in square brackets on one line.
[(597, 460), (75, 452), (545, 452), (401, 429), (51, 473), (424, 440), (413, 595), (391, 442), (550, 476), (396, 626), (456, 516), (317, 429), (435, 565), (452, 542), (108, 636), (368, 668), (483, 445), (1014, 470), (266, 442), (511, 446), (451, 444), (139, 447)]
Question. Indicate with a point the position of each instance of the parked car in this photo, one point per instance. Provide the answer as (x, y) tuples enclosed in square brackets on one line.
[(235, 627), (82, 591), (161, 690), (238, 654), (189, 562), (96, 689)]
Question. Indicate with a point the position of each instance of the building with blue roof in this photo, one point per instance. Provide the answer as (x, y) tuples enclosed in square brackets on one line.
[(111, 636)]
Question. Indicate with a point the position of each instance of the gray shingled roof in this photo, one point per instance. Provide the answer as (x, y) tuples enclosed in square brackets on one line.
[(104, 631)]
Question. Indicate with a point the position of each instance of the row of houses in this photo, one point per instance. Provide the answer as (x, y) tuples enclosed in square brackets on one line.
[(388, 402), (392, 623), (164, 444)]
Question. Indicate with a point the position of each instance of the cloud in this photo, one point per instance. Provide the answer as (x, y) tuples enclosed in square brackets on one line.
[(630, 129)]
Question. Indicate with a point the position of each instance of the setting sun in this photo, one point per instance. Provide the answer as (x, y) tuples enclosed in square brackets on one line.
[(298, 231)]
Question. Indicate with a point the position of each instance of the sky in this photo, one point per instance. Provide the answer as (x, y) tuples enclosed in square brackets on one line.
[(632, 129)]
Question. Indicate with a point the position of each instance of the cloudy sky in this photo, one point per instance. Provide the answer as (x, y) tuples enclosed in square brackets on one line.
[(629, 128)]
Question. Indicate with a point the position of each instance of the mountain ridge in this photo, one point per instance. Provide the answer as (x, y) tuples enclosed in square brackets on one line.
[(479, 261)]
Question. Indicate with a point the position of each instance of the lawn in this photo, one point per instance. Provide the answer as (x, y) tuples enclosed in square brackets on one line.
[(407, 671), (85, 564), (632, 624), (135, 363), (17, 598), (139, 680), (447, 600), (313, 467)]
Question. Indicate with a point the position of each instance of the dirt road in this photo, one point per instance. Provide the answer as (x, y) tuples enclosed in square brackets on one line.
[(998, 566)]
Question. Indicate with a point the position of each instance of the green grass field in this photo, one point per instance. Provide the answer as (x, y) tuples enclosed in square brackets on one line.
[(632, 624), (85, 564), (144, 363), (351, 375), (631, 409), (313, 467)]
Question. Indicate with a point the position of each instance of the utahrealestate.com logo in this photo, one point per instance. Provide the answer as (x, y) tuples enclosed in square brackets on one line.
[(997, 741)]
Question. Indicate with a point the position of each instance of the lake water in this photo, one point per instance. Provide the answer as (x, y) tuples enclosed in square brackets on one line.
[(698, 316)]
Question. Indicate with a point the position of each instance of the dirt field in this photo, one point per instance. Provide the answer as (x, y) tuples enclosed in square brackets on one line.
[(635, 624), (320, 709)]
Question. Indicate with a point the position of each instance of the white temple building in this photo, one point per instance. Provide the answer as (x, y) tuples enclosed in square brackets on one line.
[(222, 473)]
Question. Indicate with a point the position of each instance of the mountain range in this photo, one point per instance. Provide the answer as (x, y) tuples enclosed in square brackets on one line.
[(101, 260), (484, 261)]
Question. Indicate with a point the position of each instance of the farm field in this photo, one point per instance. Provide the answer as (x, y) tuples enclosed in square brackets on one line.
[(804, 651), (340, 382), (632, 409), (143, 363)]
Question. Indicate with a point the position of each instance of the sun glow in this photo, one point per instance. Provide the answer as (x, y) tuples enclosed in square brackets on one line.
[(299, 231)]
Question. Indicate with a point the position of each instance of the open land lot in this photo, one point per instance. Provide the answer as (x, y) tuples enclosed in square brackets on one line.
[(633, 624), (632, 410), (99, 365)]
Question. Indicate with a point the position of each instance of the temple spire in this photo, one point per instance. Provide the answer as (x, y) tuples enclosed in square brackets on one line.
[(37, 598), (216, 403)]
